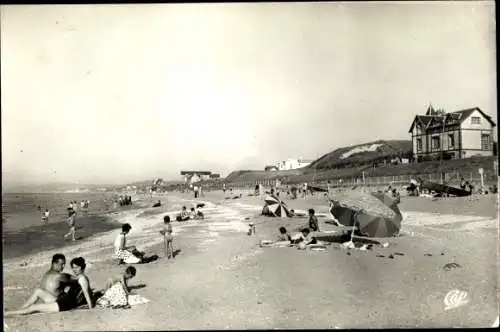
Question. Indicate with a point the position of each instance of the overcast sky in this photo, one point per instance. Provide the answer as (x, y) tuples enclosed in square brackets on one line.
[(120, 93)]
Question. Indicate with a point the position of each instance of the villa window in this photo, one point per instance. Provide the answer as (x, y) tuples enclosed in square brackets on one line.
[(476, 120), (451, 141), (419, 145), (436, 144), (485, 142)]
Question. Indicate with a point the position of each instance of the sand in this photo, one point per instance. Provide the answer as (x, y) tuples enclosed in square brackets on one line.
[(222, 279)]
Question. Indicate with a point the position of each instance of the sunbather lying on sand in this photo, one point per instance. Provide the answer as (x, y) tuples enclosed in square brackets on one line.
[(59, 291), (284, 239)]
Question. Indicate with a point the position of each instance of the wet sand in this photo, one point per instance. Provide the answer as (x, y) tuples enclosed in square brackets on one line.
[(222, 279)]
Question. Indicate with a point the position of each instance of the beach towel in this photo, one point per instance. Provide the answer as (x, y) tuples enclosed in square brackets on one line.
[(135, 299), (116, 298), (127, 257)]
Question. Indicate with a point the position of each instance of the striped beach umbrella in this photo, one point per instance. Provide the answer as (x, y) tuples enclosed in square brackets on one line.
[(276, 207), (375, 214)]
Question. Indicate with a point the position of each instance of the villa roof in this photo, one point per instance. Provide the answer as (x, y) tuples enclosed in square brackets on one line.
[(195, 172), (452, 118)]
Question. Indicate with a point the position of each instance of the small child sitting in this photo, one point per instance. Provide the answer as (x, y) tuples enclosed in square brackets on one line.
[(305, 239), (196, 214), (117, 290), (284, 236)]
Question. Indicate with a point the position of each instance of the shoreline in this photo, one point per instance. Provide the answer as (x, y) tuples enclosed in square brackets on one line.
[(222, 279)]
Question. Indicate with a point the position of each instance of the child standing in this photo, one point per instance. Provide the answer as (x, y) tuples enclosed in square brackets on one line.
[(313, 221), (45, 216), (168, 239)]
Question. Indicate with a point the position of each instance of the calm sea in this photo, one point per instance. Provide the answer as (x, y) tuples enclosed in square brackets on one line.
[(23, 232)]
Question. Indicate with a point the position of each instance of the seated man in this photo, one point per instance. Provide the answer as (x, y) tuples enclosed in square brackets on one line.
[(54, 291), (184, 215), (266, 211)]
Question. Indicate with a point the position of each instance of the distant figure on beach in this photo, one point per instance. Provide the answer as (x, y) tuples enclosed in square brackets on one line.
[(284, 236), (396, 196), (304, 189), (305, 239), (468, 187), (196, 191), (45, 216), (389, 189), (184, 215), (313, 221), (224, 188), (55, 293), (463, 184), (494, 189), (71, 223), (168, 239), (196, 214)]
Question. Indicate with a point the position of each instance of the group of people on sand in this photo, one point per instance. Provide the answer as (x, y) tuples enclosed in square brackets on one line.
[(127, 254), (60, 291), (125, 200), (301, 239), (193, 214)]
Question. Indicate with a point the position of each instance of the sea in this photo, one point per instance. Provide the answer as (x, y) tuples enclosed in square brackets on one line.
[(23, 232)]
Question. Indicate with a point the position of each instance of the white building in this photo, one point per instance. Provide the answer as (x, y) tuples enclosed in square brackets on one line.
[(293, 163)]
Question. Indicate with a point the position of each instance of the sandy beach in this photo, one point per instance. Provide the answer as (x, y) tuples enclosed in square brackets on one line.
[(222, 279)]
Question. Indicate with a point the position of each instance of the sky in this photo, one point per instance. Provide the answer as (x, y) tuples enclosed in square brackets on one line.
[(122, 93)]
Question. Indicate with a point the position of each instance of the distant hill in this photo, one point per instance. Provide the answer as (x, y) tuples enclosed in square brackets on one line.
[(53, 187), (363, 154)]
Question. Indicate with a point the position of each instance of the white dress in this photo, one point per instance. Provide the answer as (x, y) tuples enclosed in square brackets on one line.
[(124, 254)]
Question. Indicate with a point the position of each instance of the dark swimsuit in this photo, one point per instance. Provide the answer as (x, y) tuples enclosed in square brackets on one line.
[(72, 299)]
